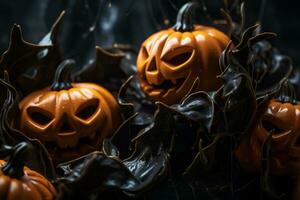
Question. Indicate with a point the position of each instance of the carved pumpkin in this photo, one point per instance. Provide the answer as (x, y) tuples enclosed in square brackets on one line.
[(169, 61), (18, 182), (71, 119), (282, 119)]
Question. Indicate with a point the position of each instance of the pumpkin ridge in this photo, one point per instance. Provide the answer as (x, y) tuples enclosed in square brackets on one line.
[(71, 107), (201, 51), (33, 193), (15, 190), (42, 189), (35, 177), (154, 41), (218, 45), (6, 182), (83, 94), (164, 42), (19, 184), (220, 37)]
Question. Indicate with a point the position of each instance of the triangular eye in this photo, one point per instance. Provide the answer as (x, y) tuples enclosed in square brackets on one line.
[(178, 56), (39, 115), (144, 53), (88, 109)]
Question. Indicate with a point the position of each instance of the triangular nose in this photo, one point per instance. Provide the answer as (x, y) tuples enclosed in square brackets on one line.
[(152, 67), (65, 127), (152, 73)]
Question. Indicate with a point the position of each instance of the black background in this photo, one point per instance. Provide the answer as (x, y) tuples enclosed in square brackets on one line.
[(131, 21)]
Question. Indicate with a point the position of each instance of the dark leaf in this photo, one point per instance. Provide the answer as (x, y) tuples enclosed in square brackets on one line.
[(197, 107), (39, 159), (203, 162), (96, 173), (260, 37), (126, 107), (105, 65), (31, 66), (278, 67)]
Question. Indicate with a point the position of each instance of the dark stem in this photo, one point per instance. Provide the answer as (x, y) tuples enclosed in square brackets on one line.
[(62, 77), (184, 21), (14, 167), (287, 93)]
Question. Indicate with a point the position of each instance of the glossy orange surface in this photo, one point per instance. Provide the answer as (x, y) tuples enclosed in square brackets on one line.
[(169, 62), (284, 120), (31, 186), (72, 122)]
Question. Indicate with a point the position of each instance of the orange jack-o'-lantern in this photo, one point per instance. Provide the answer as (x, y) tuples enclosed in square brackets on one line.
[(169, 61), (71, 119), (282, 120), (18, 182)]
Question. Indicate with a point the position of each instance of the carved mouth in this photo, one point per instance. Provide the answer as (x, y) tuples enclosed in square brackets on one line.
[(84, 146), (282, 157), (270, 126), (84, 141), (165, 86)]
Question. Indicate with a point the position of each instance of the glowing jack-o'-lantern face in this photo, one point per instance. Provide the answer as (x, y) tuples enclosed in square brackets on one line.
[(71, 119), (283, 120), (169, 61)]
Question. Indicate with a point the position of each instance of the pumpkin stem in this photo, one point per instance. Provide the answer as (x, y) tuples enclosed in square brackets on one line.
[(184, 21), (62, 77), (14, 167), (287, 93)]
